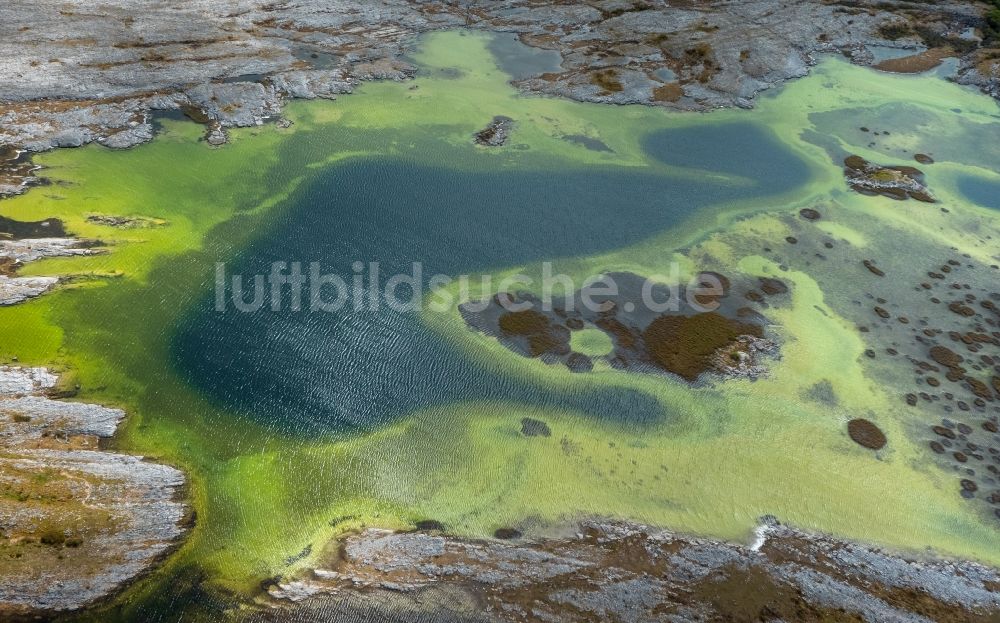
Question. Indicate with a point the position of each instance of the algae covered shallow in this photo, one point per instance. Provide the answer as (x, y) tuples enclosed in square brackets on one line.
[(296, 427)]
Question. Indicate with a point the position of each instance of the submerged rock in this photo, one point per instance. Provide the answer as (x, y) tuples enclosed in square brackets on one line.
[(866, 434), (496, 133)]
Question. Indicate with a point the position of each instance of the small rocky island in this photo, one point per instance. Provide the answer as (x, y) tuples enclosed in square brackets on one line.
[(78, 522), (895, 182), (725, 338)]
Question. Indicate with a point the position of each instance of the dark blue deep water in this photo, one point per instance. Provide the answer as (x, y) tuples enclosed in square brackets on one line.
[(302, 372)]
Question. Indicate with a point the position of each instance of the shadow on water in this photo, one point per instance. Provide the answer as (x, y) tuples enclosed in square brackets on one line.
[(739, 149), (980, 191), (302, 372), (521, 61)]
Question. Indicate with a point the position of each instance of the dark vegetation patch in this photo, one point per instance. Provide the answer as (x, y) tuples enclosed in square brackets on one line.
[(684, 345), (526, 322), (534, 428), (608, 80), (895, 182), (670, 92), (915, 63), (507, 534), (49, 228), (590, 143), (810, 214), (866, 434), (429, 525)]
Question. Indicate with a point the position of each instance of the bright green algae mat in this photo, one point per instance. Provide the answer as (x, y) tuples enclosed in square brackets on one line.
[(721, 455)]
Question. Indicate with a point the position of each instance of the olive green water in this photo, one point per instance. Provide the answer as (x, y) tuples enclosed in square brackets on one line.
[(717, 457)]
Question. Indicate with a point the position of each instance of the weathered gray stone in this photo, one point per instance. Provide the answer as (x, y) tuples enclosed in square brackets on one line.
[(103, 518)]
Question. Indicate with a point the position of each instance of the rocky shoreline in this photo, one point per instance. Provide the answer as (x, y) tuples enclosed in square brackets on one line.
[(234, 65), (613, 571), (14, 253), (76, 523)]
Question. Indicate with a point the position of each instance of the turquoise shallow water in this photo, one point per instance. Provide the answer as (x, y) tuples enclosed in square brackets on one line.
[(302, 372)]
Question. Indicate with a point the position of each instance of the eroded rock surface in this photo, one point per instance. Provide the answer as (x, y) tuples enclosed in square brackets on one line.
[(15, 253), (76, 523), (75, 72), (708, 329), (620, 572)]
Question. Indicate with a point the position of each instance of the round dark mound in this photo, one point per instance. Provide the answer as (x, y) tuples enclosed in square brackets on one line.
[(945, 356), (809, 214), (866, 434), (772, 286), (923, 158)]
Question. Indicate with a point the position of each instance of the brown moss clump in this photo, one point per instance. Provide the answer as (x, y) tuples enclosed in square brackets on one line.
[(608, 80), (670, 92), (543, 337), (866, 434), (527, 322), (979, 388), (52, 537), (857, 163), (623, 335), (873, 269), (961, 309), (8, 266), (916, 63), (684, 345), (945, 356), (541, 343), (771, 286)]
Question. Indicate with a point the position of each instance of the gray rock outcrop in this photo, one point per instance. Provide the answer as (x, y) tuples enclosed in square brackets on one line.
[(76, 523)]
